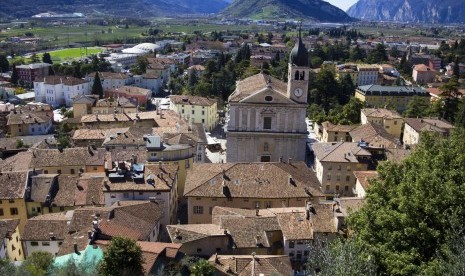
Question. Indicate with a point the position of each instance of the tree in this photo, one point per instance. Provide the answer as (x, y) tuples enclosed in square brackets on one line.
[(202, 268), (4, 64), (192, 79), (140, 67), (350, 114), (122, 258), (14, 76), (97, 88), (35, 58), (460, 116), (340, 258), (414, 207), (7, 268), (450, 94), (357, 54), (378, 55), (37, 264), (347, 89), (416, 108), (327, 89)]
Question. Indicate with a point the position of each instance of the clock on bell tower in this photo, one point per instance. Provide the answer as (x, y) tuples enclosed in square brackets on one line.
[(299, 70)]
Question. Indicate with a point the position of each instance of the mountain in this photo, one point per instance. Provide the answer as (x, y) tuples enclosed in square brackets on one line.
[(271, 9), (421, 11), (126, 8)]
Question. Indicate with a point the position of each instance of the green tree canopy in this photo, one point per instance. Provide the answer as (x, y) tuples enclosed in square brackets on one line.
[(122, 258), (202, 268), (414, 207), (97, 88), (4, 64), (37, 264), (46, 58)]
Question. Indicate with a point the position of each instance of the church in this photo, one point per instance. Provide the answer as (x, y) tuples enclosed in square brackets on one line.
[(267, 116)]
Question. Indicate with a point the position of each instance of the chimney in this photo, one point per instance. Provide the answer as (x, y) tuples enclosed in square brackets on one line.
[(52, 236), (257, 212), (289, 161), (280, 159), (160, 165), (76, 251)]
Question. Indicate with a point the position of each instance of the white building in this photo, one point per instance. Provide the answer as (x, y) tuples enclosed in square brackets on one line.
[(151, 81), (111, 80), (121, 62), (58, 91), (367, 74)]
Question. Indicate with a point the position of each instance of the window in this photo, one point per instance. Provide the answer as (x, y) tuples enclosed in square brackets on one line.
[(268, 204), (266, 146), (338, 177), (210, 210), (59, 171), (348, 178), (62, 208), (349, 168), (199, 157), (268, 98), (395, 122), (141, 193), (291, 244), (203, 121), (1, 212), (126, 195), (198, 210), (34, 243), (299, 255), (14, 211), (330, 167), (11, 201), (45, 243), (339, 167), (193, 111), (346, 188), (187, 163), (267, 123), (72, 171), (337, 187), (95, 168), (182, 111), (328, 177), (203, 112)]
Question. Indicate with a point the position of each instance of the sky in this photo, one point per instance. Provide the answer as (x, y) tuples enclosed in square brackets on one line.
[(342, 4)]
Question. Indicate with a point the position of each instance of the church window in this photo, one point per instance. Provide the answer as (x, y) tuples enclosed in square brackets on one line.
[(296, 75), (267, 123), (302, 75), (268, 98), (266, 147)]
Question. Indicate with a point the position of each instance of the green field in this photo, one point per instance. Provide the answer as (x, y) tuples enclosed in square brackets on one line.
[(72, 53)]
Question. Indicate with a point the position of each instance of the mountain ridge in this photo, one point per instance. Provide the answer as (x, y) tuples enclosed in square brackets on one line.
[(272, 9), (131, 8), (417, 11)]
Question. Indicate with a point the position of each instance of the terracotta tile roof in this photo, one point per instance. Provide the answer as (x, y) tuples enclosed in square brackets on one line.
[(66, 195), (28, 118), (192, 100), (323, 219), (13, 185), (131, 90), (133, 136), (118, 102), (429, 124), (68, 157), (110, 75), (250, 231), (350, 204), (381, 113), (242, 265), (79, 238), (375, 135), (40, 228), (152, 75), (85, 99), (65, 80), (294, 224), (337, 128), (119, 117), (364, 177), (252, 180), (397, 155), (8, 227), (423, 68), (341, 152), (11, 143), (19, 162), (256, 83), (184, 233), (93, 134), (197, 68), (43, 187), (437, 92)]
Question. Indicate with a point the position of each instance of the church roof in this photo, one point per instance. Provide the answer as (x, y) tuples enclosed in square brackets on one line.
[(299, 54), (256, 83)]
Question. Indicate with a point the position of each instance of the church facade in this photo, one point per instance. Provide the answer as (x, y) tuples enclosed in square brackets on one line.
[(267, 116)]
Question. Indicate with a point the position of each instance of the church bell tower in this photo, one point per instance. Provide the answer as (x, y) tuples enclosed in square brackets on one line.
[(299, 70)]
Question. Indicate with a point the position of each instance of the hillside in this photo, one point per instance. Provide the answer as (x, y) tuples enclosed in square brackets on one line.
[(317, 10), (132, 8), (424, 11)]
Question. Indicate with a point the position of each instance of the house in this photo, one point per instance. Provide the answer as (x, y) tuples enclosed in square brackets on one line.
[(390, 120), (140, 96), (248, 185), (28, 122), (232, 265), (12, 191), (121, 120), (52, 193), (396, 97), (115, 105), (415, 126), (423, 74), (126, 139), (272, 231), (375, 136), (334, 165), (59, 90), (138, 181), (152, 81), (45, 233), (363, 182), (10, 245), (197, 110), (31, 72), (266, 117), (82, 105), (67, 232), (110, 80), (367, 74), (328, 132)]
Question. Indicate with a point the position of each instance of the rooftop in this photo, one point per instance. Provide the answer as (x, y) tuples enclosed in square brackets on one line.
[(341, 152)]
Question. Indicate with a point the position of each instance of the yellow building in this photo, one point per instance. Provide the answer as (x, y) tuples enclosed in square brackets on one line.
[(10, 244), (248, 186), (389, 119), (196, 109), (395, 97), (328, 132), (12, 192)]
